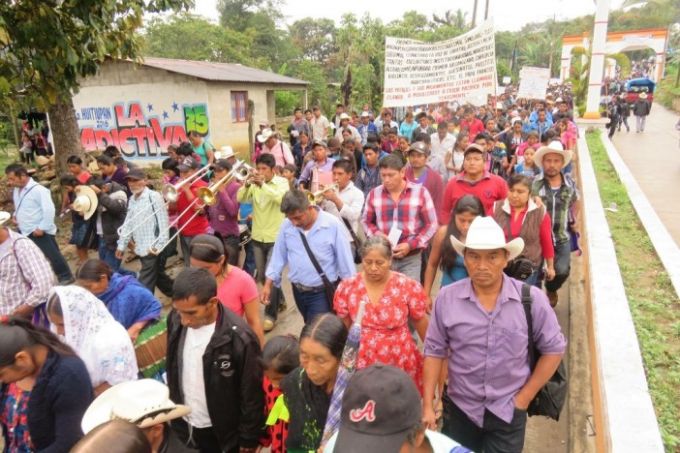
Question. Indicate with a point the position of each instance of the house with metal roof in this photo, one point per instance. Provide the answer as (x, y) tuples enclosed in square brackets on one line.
[(144, 107)]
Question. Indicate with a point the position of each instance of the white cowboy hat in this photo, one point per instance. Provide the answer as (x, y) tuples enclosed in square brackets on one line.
[(264, 135), (485, 234), (145, 403), (344, 116), (225, 152), (642, 95), (4, 217), (86, 201), (554, 147)]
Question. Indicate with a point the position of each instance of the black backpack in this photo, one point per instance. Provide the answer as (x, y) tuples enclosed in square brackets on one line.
[(549, 401)]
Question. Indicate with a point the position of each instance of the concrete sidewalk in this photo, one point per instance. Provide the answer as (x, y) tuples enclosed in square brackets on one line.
[(654, 159)]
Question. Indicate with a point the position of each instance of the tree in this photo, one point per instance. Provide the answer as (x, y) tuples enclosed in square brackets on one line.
[(47, 45), (314, 37), (182, 33)]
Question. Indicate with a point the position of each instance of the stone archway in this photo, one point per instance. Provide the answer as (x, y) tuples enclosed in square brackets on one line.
[(621, 41)]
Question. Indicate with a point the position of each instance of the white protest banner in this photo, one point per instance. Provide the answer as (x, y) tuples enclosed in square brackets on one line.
[(460, 69), (533, 82)]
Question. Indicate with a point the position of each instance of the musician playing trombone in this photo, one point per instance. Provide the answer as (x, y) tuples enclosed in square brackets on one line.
[(188, 224), (146, 224)]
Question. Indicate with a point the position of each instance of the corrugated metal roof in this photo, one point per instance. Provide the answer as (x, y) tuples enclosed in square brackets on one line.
[(221, 72)]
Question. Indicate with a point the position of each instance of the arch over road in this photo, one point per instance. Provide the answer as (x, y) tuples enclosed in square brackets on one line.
[(621, 41)]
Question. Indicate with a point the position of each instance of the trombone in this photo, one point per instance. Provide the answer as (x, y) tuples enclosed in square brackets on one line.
[(156, 250), (171, 191), (240, 172), (317, 197), (140, 215)]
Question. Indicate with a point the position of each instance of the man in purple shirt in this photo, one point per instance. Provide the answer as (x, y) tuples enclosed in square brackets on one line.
[(478, 327)]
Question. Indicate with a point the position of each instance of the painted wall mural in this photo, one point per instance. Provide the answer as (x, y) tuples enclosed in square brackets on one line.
[(141, 122)]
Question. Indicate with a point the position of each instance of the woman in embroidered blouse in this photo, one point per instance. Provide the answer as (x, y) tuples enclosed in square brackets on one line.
[(390, 300)]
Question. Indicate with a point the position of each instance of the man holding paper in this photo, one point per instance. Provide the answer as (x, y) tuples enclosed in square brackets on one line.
[(404, 213)]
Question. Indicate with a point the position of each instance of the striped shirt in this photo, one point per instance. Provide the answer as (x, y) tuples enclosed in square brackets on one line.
[(413, 214), (142, 223), (25, 274)]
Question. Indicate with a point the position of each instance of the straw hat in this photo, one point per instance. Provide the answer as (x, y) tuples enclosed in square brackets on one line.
[(265, 135), (145, 403), (485, 234), (642, 95), (225, 152), (554, 147), (4, 217), (86, 201)]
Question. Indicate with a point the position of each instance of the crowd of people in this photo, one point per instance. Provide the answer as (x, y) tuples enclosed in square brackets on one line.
[(412, 248)]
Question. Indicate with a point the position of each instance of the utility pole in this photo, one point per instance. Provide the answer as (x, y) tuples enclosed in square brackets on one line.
[(486, 11), (597, 60), (474, 15)]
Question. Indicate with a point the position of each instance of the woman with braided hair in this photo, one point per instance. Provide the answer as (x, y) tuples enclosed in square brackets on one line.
[(45, 389)]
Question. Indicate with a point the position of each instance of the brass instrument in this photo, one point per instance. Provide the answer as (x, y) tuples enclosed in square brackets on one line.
[(171, 191), (241, 171), (157, 249), (317, 197), (136, 220)]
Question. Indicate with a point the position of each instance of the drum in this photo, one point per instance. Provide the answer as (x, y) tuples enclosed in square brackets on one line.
[(243, 234), (151, 348)]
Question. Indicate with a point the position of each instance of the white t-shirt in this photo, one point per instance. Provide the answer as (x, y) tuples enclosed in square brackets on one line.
[(193, 385), (439, 442)]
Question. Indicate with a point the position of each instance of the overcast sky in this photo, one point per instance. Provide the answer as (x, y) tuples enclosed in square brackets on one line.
[(507, 14)]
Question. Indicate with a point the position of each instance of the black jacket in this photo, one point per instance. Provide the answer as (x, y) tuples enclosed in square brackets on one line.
[(112, 209), (232, 374), (641, 108)]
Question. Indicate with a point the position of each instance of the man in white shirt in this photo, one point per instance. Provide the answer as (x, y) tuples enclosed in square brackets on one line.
[(320, 125), (208, 344), (345, 203), (384, 120), (442, 141)]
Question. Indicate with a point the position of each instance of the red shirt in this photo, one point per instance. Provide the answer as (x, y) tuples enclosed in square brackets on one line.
[(489, 189), (199, 224), (474, 127)]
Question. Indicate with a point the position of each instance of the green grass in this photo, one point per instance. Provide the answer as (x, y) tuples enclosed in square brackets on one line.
[(666, 91), (653, 302), (8, 156)]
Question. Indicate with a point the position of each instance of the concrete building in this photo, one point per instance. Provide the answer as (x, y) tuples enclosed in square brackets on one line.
[(144, 107)]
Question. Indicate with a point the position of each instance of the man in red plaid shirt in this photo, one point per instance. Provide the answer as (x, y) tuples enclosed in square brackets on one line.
[(404, 213)]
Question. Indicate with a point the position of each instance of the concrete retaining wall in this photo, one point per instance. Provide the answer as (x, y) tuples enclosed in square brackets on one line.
[(627, 422)]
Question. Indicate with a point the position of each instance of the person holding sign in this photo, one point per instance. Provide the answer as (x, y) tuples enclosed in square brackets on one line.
[(404, 213)]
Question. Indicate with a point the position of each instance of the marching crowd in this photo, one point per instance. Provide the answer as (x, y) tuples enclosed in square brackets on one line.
[(361, 214)]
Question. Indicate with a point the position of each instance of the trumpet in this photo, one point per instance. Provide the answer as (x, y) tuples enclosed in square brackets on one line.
[(241, 171), (317, 197), (171, 191)]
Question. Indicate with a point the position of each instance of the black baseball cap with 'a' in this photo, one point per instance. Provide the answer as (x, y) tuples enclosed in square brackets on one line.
[(380, 406)]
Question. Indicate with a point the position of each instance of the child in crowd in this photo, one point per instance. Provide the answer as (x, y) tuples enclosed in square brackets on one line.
[(26, 150), (288, 172), (527, 167), (531, 142), (83, 232), (75, 166), (280, 356)]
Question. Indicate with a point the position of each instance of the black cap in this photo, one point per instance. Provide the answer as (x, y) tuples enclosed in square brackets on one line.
[(136, 174), (380, 406), (189, 163)]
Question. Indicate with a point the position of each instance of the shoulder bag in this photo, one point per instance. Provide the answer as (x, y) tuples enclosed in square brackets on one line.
[(329, 287), (357, 242), (549, 401)]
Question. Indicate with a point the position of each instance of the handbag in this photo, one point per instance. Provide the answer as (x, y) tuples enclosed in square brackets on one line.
[(357, 242), (550, 400), (329, 287)]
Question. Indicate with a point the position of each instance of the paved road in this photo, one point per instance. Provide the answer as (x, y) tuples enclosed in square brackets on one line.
[(654, 159)]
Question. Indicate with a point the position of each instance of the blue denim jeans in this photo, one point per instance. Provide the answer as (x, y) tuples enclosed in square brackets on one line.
[(562, 266), (536, 278), (311, 304), (108, 256)]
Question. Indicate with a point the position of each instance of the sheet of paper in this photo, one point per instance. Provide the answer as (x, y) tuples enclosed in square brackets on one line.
[(393, 236)]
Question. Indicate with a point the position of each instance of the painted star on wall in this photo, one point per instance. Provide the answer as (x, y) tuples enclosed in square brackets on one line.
[(149, 107), (165, 115), (175, 107)]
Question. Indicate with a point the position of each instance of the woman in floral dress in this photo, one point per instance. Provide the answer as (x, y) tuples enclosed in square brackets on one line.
[(390, 299)]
